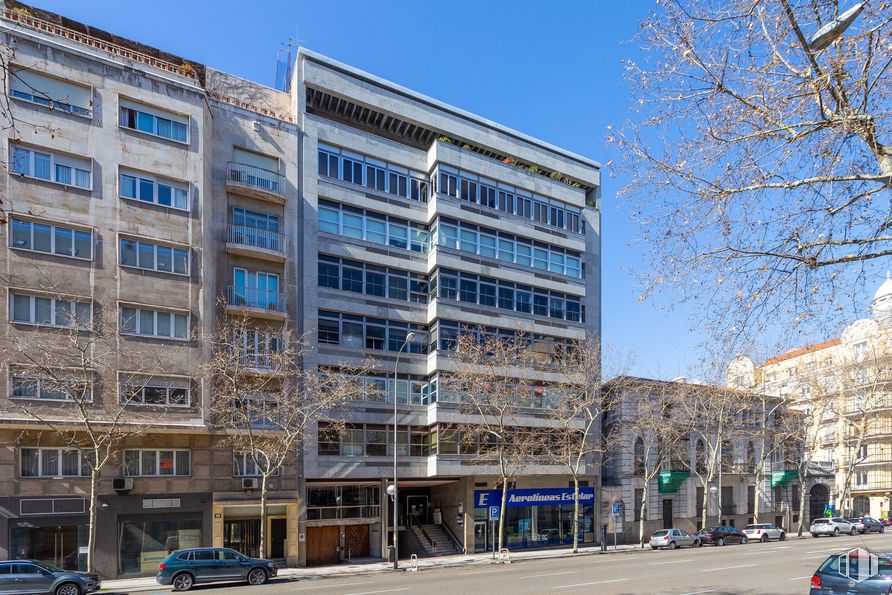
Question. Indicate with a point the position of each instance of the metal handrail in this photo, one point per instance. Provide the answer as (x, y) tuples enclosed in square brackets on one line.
[(257, 177), (417, 523), (255, 298), (455, 541), (338, 512), (256, 238)]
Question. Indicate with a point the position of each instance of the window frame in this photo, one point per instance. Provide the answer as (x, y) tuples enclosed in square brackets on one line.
[(125, 103), (83, 465), (156, 383), (54, 156), (51, 104), (138, 322), (54, 227), (158, 459), (54, 310), (156, 181), (138, 242), (32, 376)]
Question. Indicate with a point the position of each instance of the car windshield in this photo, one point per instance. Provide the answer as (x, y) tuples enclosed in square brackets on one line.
[(820, 521), (50, 568), (660, 533), (755, 527)]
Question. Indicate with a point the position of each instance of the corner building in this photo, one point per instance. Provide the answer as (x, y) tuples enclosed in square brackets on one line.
[(420, 218)]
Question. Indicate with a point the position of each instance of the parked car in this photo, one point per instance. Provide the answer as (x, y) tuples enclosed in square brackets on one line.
[(831, 579), (549, 535), (764, 532), (673, 538), (184, 568), (831, 526), (866, 524), (721, 535), (27, 576)]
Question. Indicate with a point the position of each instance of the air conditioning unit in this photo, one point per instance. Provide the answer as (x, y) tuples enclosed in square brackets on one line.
[(250, 483), (122, 484)]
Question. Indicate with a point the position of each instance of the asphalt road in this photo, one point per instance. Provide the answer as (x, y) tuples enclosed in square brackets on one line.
[(776, 567)]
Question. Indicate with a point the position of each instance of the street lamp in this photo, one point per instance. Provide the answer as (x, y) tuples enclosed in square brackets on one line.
[(835, 28), (394, 491), (712, 492)]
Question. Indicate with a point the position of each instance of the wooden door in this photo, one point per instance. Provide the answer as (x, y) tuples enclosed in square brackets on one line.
[(322, 545), (357, 541)]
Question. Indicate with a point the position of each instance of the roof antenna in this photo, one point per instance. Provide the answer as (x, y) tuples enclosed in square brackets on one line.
[(285, 58)]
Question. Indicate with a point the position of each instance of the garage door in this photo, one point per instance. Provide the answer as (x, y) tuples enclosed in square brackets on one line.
[(322, 545)]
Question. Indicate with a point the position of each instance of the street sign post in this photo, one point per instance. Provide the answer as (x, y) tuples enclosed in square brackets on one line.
[(617, 508), (493, 513)]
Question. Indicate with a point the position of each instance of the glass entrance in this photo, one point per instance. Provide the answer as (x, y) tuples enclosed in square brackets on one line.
[(57, 545)]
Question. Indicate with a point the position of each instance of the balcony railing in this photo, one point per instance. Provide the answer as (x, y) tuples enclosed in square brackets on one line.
[(249, 297), (259, 360), (256, 177), (255, 238)]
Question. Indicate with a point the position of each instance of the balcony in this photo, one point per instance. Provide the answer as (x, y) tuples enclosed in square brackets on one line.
[(255, 182), (256, 243), (256, 302)]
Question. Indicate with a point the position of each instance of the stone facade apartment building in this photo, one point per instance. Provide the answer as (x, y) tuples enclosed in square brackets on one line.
[(675, 491), (846, 381), (149, 194)]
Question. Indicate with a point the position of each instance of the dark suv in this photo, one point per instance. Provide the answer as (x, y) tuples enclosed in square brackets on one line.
[(184, 568), (855, 571), (26, 576)]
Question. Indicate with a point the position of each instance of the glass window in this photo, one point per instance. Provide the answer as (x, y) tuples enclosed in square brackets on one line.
[(487, 245), (468, 240), (51, 239), (328, 219), (143, 543), (375, 283), (376, 229)]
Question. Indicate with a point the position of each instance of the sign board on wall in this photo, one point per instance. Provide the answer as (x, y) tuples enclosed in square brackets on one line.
[(532, 497)]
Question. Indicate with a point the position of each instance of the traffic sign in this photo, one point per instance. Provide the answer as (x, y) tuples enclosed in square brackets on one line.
[(617, 508), (493, 513)]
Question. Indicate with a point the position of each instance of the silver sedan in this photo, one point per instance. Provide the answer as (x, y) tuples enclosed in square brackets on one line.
[(673, 538)]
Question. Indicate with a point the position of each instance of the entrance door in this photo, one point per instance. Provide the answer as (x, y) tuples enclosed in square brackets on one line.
[(322, 545), (356, 540), (278, 535), (668, 521), (417, 507), (56, 546), (481, 536), (242, 535)]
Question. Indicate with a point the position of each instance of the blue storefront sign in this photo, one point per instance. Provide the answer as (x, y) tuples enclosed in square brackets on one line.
[(532, 497)]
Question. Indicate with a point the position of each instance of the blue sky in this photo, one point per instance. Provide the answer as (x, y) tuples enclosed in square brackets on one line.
[(551, 70)]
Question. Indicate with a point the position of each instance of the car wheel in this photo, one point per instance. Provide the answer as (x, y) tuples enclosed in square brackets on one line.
[(68, 589), (743, 540), (852, 532), (257, 576), (653, 547), (764, 539), (882, 529), (836, 531), (672, 545), (720, 541), (782, 537), (183, 582)]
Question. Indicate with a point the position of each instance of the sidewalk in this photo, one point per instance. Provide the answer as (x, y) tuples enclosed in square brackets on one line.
[(372, 567)]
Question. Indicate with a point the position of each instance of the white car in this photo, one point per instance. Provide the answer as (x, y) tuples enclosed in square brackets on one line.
[(831, 526), (764, 532)]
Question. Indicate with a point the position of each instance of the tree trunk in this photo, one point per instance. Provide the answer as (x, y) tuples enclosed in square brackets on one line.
[(643, 515), (575, 523), (703, 515), (502, 513), (758, 491), (264, 486), (802, 500), (91, 529)]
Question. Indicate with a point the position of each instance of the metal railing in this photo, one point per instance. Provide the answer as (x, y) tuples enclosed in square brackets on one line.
[(262, 360), (255, 298), (256, 238), (317, 513), (257, 177)]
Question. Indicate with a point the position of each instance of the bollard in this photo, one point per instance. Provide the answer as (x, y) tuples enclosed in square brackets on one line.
[(413, 563), (603, 538), (504, 556)]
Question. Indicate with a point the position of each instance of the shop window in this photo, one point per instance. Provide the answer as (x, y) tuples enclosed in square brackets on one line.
[(143, 544)]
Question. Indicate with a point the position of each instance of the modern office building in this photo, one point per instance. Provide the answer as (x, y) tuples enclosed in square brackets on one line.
[(150, 195), (422, 218)]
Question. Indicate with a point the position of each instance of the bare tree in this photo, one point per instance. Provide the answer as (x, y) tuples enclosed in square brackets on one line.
[(263, 402), (764, 424), (65, 374), (712, 414), (578, 406), (649, 429), (760, 166), (485, 382)]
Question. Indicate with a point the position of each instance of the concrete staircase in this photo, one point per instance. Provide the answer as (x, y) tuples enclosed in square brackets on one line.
[(444, 545)]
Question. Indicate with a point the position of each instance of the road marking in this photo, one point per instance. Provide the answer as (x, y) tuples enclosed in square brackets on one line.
[(332, 586), (674, 561), (727, 567), (826, 549), (697, 592), (801, 578), (385, 591), (488, 572), (616, 580), (757, 553), (548, 574)]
